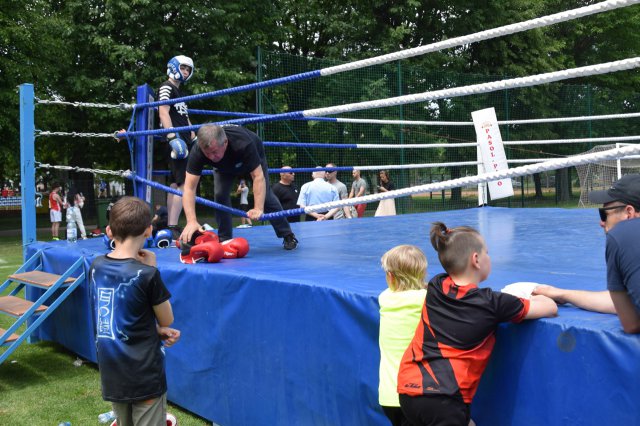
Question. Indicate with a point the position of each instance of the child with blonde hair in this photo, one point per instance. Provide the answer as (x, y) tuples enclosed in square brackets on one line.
[(405, 268), (441, 369)]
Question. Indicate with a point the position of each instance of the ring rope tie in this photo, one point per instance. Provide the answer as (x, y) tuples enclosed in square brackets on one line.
[(553, 164)]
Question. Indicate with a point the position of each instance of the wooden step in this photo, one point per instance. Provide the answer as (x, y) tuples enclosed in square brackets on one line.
[(16, 306), (39, 278), (11, 338)]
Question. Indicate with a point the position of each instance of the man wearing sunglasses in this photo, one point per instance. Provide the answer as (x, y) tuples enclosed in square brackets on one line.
[(620, 219)]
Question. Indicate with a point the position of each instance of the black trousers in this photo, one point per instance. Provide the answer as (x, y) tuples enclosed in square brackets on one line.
[(435, 410), (222, 186), (396, 416)]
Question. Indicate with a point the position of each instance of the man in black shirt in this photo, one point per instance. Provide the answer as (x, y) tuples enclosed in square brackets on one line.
[(287, 193), (232, 151)]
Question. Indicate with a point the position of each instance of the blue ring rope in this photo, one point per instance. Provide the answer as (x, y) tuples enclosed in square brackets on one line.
[(199, 200), (223, 113), (253, 86), (274, 170), (310, 145), (217, 206), (240, 121), (253, 114)]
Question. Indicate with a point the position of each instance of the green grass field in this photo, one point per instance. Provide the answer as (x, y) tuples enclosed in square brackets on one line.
[(39, 383)]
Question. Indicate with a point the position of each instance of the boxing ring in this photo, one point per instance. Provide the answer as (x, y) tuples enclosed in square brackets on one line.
[(290, 338)]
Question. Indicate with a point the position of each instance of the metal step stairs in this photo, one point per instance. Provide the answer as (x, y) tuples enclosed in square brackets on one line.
[(56, 289)]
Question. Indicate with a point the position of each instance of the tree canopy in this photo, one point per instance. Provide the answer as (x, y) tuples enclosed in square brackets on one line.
[(100, 51)]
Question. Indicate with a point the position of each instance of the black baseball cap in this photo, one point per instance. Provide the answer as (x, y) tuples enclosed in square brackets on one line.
[(625, 189)]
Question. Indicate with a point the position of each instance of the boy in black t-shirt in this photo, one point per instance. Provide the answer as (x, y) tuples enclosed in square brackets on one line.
[(132, 316)]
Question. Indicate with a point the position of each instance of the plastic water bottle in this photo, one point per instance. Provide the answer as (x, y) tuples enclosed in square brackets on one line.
[(72, 230), (107, 417)]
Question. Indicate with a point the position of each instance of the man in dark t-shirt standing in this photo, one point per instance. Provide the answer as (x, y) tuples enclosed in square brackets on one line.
[(232, 151), (287, 193)]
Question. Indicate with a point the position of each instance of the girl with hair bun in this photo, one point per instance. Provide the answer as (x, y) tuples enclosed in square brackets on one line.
[(441, 369)]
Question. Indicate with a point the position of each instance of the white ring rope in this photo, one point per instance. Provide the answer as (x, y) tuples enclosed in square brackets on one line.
[(543, 165), (415, 145), (483, 35), (121, 106), (584, 140), (118, 173), (558, 163), (474, 89), (74, 134), (504, 122), (610, 139)]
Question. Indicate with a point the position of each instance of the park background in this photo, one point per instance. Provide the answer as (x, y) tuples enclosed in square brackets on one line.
[(100, 51)]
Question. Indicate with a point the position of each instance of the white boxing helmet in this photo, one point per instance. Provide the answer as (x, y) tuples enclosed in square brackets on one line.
[(173, 67)]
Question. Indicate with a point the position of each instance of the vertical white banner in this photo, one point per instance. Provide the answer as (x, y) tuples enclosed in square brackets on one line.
[(492, 150)]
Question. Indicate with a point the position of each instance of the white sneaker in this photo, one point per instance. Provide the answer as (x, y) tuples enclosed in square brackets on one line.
[(171, 420)]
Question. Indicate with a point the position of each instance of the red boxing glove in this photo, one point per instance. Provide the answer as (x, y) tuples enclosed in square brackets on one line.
[(205, 236), (235, 248), (209, 252), (199, 237)]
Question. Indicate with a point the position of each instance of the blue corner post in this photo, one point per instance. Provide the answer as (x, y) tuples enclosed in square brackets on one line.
[(144, 144), (27, 166)]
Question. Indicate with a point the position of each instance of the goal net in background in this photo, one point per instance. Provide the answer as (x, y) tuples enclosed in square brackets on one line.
[(601, 175)]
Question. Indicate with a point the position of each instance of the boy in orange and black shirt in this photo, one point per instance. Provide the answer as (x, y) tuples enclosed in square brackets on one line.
[(441, 369)]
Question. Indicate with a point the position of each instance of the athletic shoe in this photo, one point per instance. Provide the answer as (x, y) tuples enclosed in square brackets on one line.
[(171, 420), (242, 226), (55, 239), (290, 242)]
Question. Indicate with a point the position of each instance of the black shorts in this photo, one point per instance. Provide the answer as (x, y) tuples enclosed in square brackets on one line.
[(178, 168), (244, 207), (435, 410)]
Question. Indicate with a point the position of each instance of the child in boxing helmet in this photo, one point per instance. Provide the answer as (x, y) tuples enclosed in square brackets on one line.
[(180, 69)]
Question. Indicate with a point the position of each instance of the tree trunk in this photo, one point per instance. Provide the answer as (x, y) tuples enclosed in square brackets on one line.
[(538, 185), (563, 185)]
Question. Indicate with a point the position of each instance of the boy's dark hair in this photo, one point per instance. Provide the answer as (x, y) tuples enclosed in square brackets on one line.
[(454, 246), (129, 217)]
